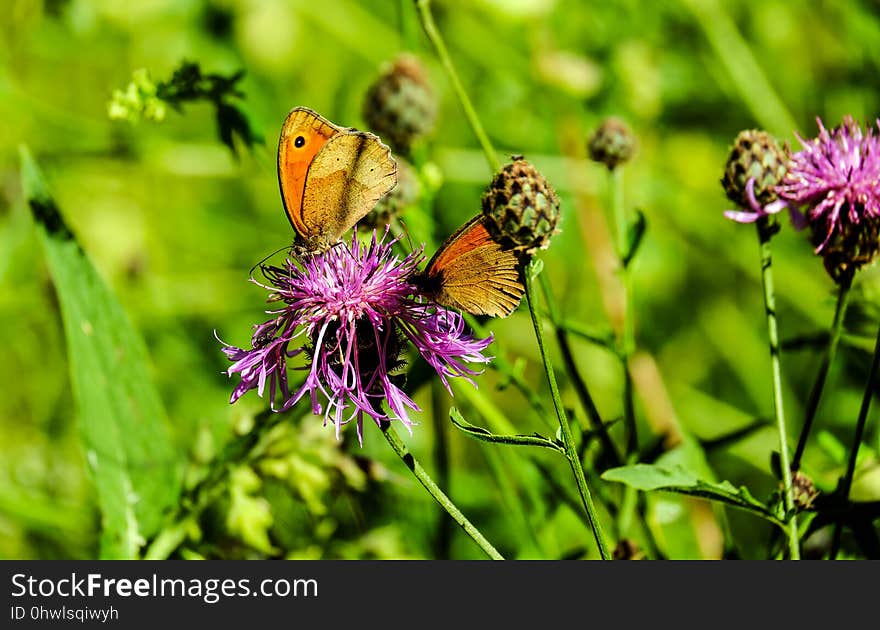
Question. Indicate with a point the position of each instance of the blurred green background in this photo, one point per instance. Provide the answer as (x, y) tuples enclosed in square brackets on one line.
[(173, 221)]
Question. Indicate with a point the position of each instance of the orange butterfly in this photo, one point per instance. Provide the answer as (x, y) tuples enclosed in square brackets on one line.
[(330, 176), (474, 273)]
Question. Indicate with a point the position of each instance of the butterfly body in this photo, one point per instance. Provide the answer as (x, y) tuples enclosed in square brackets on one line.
[(474, 273), (330, 177)]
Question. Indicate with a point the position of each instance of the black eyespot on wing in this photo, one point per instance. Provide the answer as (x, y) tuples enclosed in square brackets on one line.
[(299, 142)]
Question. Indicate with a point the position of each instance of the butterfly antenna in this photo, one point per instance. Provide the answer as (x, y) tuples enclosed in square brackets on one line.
[(400, 230), (265, 258)]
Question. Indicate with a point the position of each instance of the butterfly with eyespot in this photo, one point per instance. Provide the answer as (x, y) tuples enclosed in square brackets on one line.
[(472, 272), (330, 177)]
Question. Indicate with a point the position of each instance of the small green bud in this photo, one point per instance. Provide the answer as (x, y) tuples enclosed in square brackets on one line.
[(612, 143), (400, 105), (754, 154)]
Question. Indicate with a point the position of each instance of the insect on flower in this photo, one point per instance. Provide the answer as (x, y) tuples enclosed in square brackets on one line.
[(349, 312)]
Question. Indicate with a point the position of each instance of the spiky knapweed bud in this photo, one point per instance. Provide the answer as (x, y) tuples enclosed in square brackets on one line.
[(755, 155), (400, 105), (404, 194), (612, 143), (521, 206), (804, 491)]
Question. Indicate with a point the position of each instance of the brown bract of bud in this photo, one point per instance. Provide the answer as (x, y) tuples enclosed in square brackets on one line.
[(521, 207)]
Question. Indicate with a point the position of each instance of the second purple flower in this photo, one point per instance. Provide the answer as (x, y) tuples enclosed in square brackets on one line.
[(835, 178)]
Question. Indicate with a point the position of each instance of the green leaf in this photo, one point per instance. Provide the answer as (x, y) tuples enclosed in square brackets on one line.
[(635, 234), (648, 477), (479, 433), (123, 427)]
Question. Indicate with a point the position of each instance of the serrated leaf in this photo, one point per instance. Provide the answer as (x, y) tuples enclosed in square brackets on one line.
[(648, 477), (123, 427)]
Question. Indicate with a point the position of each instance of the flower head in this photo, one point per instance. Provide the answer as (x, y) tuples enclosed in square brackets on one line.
[(836, 177), (349, 312)]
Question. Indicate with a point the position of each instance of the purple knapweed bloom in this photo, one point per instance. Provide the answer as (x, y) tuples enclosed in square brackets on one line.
[(349, 312), (836, 178)]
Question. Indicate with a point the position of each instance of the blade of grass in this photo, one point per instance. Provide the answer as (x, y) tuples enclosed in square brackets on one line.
[(123, 427)]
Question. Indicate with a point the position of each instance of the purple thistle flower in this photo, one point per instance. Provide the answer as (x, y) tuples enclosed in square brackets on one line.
[(349, 312), (837, 177)]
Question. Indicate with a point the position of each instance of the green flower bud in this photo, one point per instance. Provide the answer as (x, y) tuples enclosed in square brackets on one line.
[(522, 207), (612, 143), (755, 154), (400, 105)]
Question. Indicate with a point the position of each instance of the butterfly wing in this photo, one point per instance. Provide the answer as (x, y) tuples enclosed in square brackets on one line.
[(347, 177), (303, 135), (473, 273)]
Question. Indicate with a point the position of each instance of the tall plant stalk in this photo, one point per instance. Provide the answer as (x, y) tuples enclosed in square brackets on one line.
[(846, 481), (434, 490), (567, 437), (822, 374), (440, 413), (628, 331), (580, 385), (765, 233), (427, 19)]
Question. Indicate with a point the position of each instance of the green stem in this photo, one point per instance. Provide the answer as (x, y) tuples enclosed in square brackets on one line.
[(628, 333), (765, 233), (819, 383), (407, 28), (440, 410), (424, 7), (846, 481), (567, 438), (433, 489), (580, 385)]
